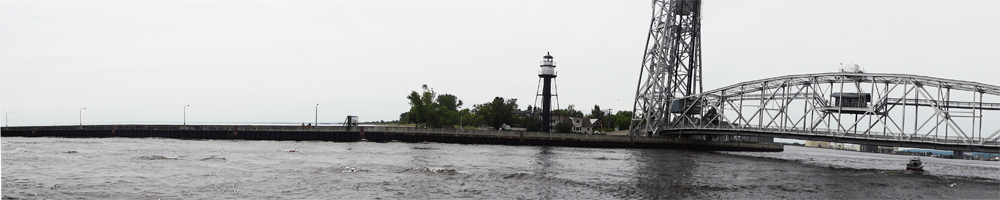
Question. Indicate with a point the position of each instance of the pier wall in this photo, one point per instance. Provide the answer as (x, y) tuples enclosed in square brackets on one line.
[(382, 134)]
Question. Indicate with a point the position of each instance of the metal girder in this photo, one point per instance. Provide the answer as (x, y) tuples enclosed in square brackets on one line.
[(669, 97), (906, 108), (671, 65), (880, 78)]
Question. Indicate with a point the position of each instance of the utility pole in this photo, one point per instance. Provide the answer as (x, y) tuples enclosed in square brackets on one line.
[(186, 114), (81, 116)]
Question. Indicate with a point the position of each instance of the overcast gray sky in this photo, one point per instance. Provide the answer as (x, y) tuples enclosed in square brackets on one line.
[(272, 61)]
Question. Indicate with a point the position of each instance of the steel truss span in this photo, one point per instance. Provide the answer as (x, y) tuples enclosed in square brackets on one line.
[(864, 108)]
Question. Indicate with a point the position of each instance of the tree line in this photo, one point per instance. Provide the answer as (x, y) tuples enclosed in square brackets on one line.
[(433, 110)]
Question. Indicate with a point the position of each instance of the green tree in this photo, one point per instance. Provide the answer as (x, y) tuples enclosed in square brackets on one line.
[(423, 110), (429, 109), (563, 127), (497, 112), (404, 117), (596, 113), (531, 123), (622, 119), (569, 111), (467, 117), (449, 102), (449, 105)]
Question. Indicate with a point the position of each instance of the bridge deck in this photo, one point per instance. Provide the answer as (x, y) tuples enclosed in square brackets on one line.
[(855, 138)]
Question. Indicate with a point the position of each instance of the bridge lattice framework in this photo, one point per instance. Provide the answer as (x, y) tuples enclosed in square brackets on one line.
[(851, 106), (884, 109)]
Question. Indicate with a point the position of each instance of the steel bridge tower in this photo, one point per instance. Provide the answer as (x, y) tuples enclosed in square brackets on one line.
[(671, 68)]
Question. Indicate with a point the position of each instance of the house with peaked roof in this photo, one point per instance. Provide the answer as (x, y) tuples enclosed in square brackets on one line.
[(580, 124)]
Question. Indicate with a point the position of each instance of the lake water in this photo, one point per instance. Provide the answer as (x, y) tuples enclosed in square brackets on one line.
[(156, 168)]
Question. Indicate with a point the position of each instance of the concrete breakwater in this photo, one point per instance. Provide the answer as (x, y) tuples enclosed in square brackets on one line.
[(381, 134)]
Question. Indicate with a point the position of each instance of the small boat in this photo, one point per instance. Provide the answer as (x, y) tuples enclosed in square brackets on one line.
[(915, 164)]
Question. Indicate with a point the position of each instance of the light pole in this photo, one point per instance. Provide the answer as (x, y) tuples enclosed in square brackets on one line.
[(317, 114), (6, 118), (81, 116), (606, 124), (186, 114)]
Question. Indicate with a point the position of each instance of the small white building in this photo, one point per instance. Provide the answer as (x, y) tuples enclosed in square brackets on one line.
[(845, 146)]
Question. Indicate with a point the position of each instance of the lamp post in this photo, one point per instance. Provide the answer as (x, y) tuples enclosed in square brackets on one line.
[(186, 114), (6, 118), (81, 116), (317, 114), (606, 124)]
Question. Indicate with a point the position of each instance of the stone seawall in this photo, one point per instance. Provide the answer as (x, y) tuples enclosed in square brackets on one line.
[(381, 134)]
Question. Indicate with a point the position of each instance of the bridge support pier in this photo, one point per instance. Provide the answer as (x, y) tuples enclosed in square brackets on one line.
[(958, 154), (758, 139), (869, 148)]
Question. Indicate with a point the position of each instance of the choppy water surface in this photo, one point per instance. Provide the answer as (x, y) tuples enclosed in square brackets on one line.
[(153, 168)]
